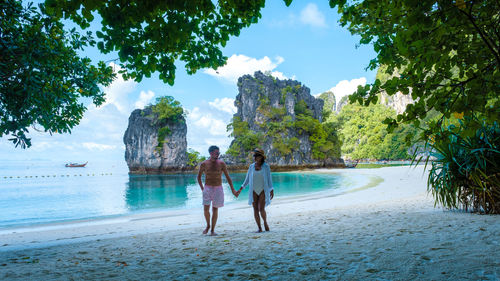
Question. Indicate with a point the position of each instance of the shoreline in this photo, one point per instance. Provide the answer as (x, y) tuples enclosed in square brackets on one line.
[(389, 231), (65, 223), (18, 237)]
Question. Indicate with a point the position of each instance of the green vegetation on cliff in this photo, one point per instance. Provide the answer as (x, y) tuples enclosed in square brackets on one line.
[(244, 138), (194, 157), (166, 110), (279, 126)]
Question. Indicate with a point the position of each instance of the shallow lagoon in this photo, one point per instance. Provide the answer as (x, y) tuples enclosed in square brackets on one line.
[(49, 192)]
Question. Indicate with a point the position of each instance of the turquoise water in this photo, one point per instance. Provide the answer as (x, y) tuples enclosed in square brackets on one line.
[(44, 192)]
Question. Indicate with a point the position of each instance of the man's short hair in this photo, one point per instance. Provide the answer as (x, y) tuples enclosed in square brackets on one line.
[(212, 148)]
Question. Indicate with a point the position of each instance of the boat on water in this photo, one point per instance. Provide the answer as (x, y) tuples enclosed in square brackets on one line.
[(74, 165)]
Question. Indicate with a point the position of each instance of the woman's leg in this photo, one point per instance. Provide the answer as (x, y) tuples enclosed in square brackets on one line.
[(255, 205), (262, 210)]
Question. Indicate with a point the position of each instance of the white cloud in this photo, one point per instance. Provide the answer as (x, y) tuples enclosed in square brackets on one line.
[(117, 93), (207, 125), (280, 75), (345, 87), (224, 104), (206, 121), (311, 15), (144, 99), (98, 146), (42, 145), (239, 65)]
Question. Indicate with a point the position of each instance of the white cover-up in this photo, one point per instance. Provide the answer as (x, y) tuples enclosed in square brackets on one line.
[(268, 184)]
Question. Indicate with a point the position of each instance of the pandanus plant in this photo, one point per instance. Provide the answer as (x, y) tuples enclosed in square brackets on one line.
[(465, 173)]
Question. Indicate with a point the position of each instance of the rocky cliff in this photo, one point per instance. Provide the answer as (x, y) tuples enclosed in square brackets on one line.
[(148, 150), (398, 101), (282, 118)]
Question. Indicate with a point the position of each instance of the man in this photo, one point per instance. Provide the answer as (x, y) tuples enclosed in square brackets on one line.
[(212, 190)]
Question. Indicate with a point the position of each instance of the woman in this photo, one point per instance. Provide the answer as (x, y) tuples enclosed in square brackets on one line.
[(261, 187)]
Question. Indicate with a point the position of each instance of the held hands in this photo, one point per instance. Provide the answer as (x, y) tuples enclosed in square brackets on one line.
[(237, 193)]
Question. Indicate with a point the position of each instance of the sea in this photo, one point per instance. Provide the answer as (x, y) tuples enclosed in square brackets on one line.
[(39, 191)]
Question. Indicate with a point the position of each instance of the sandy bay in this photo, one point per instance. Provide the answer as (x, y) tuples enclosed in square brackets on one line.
[(388, 230)]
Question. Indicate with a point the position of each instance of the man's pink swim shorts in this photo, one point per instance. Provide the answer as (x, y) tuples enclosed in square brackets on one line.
[(214, 194)]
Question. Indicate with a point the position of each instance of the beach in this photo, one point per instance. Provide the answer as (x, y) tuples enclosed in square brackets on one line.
[(386, 230)]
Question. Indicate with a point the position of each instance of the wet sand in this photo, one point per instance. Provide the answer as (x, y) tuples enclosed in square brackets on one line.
[(388, 230)]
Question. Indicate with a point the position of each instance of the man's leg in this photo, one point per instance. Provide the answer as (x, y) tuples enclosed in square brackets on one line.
[(206, 211), (215, 213), (255, 205), (262, 210)]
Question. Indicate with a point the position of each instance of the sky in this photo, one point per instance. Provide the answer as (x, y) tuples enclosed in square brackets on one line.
[(303, 42)]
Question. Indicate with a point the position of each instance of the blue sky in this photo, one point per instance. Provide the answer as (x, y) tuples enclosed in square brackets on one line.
[(302, 42)]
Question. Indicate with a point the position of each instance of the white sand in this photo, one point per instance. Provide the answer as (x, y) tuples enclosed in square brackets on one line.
[(390, 231)]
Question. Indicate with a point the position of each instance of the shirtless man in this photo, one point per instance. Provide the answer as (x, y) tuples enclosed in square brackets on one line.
[(212, 190)]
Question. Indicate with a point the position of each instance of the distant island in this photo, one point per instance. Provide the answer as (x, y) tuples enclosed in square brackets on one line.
[(295, 129)]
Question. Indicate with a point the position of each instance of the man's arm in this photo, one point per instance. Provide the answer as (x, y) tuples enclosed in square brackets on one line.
[(228, 178), (200, 172)]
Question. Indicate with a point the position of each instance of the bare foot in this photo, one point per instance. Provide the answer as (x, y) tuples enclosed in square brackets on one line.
[(206, 230), (266, 227), (258, 231), (213, 234)]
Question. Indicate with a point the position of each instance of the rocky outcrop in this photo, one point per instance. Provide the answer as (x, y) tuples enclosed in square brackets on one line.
[(329, 100), (343, 102), (143, 152), (398, 101), (269, 105)]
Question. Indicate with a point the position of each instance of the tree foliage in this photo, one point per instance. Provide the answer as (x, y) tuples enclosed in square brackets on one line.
[(151, 36), (166, 111), (42, 78), (446, 55), (364, 136), (194, 157), (244, 139), (466, 172)]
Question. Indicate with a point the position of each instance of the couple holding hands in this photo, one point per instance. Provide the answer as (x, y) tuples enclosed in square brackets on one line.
[(258, 179)]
